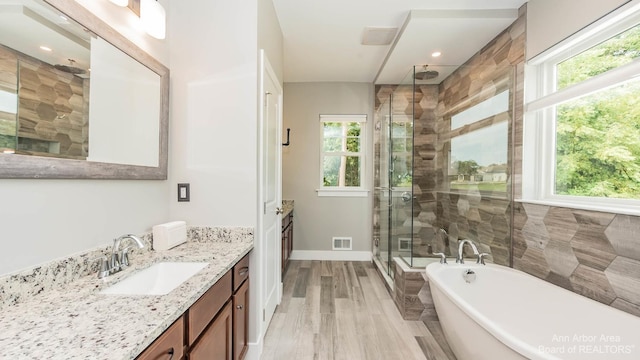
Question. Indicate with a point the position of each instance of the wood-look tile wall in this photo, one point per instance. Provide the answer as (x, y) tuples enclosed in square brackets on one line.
[(591, 253), (8, 81), (51, 105)]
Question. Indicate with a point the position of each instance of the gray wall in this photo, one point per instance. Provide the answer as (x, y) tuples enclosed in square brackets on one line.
[(318, 219), (550, 21)]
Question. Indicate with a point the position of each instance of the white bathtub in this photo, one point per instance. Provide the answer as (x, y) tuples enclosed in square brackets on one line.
[(507, 314)]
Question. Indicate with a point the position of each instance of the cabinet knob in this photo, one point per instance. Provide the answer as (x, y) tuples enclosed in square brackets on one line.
[(279, 211), (239, 307)]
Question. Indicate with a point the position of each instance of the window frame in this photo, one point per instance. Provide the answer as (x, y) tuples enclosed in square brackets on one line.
[(541, 99), (343, 191)]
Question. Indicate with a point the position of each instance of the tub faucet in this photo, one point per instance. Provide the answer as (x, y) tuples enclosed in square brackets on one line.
[(120, 260), (460, 258)]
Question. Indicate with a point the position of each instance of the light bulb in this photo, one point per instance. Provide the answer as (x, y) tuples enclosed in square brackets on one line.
[(153, 18)]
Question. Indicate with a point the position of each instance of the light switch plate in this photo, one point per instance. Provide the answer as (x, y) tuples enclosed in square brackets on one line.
[(183, 192)]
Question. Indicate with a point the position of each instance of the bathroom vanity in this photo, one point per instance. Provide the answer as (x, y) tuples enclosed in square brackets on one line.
[(76, 321), (216, 325), (287, 236)]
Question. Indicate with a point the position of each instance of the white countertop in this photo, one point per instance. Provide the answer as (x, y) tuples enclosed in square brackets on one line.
[(75, 322)]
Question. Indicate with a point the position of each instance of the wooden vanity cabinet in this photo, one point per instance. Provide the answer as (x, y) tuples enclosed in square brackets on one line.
[(205, 309), (214, 328), (241, 321), (287, 240), (170, 345), (216, 341)]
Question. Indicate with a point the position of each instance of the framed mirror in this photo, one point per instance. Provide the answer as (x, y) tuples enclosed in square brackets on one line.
[(77, 99)]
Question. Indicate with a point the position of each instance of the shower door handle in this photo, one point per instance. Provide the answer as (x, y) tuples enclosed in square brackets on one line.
[(406, 196)]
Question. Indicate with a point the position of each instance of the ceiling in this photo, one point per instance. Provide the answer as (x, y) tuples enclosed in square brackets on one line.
[(25, 25), (323, 39)]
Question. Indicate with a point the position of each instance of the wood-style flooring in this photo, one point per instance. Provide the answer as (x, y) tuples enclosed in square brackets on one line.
[(342, 310)]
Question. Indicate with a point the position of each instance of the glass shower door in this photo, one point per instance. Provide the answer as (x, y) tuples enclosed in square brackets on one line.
[(383, 198), (401, 175)]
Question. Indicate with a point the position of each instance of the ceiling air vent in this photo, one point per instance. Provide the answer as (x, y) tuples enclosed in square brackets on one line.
[(379, 35), (341, 243)]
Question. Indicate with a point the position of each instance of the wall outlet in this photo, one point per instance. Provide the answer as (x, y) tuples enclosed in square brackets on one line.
[(183, 192)]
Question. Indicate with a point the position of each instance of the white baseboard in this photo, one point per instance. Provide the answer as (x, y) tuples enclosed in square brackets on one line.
[(331, 255), (254, 352)]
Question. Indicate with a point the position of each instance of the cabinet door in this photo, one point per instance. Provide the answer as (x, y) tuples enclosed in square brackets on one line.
[(241, 321), (216, 341), (290, 235), (169, 346)]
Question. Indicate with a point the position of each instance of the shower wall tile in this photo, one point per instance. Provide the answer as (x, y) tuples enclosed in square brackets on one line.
[(51, 107), (580, 254)]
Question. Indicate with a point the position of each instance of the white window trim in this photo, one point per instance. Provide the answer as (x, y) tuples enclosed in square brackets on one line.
[(538, 169), (345, 191)]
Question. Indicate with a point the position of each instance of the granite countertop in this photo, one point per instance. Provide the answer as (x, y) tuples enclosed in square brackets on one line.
[(287, 207), (76, 322)]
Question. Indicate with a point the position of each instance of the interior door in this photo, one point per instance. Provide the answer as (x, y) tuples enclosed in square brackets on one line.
[(271, 187)]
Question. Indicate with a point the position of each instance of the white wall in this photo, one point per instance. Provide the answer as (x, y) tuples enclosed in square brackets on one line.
[(270, 37), (318, 219), (551, 21), (214, 122), (214, 61), (42, 220)]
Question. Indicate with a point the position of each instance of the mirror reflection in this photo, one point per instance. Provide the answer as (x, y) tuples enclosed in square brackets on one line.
[(67, 93)]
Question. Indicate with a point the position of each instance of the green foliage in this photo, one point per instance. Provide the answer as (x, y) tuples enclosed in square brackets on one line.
[(598, 136), (466, 167), (615, 52), (341, 138), (598, 144)]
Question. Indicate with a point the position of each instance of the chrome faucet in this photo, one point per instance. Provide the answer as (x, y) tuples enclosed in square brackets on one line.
[(460, 258), (120, 259)]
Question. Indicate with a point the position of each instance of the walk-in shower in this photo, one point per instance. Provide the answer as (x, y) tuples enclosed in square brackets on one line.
[(443, 164)]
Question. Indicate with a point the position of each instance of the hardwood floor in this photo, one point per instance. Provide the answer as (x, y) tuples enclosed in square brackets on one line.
[(341, 310)]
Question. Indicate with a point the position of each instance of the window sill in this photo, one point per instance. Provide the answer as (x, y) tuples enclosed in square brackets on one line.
[(615, 209), (356, 192)]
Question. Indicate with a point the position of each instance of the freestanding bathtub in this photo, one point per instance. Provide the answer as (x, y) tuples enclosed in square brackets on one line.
[(507, 314)]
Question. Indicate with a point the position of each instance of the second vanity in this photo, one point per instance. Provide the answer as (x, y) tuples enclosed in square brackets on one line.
[(76, 321)]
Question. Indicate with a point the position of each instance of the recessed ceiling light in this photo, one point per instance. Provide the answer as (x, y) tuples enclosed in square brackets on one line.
[(45, 48), (436, 53)]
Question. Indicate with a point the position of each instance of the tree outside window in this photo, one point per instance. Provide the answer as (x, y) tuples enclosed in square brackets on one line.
[(342, 151)]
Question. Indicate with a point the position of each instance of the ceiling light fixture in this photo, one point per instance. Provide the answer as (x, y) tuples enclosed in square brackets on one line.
[(436, 54), (45, 48), (153, 18), (122, 3)]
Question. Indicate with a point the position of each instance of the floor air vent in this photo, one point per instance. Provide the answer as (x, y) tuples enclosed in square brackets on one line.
[(341, 243)]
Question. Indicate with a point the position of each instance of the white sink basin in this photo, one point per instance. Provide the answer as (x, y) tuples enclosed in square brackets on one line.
[(158, 279)]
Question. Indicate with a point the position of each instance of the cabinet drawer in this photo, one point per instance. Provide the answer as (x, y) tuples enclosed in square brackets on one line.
[(168, 346), (205, 309), (240, 272)]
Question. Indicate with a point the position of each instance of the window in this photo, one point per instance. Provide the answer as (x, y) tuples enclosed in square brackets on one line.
[(342, 155), (401, 151), (478, 158), (582, 122)]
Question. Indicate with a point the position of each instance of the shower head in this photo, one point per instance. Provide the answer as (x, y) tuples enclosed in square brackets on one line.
[(70, 68), (426, 75)]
